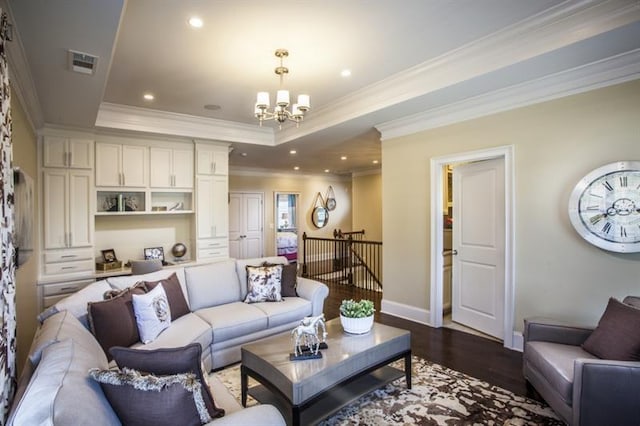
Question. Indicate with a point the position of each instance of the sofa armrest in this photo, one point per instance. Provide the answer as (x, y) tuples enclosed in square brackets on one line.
[(547, 330), (267, 415), (606, 392), (313, 291)]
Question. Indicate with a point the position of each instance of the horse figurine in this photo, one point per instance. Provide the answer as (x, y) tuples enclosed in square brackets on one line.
[(306, 334)]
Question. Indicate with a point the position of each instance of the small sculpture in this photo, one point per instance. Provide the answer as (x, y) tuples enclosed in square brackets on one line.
[(307, 343)]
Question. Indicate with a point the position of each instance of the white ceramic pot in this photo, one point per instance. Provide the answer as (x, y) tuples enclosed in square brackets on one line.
[(357, 325)]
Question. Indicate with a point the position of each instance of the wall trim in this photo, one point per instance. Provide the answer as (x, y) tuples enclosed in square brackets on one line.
[(403, 311), (253, 172), (154, 121), (517, 341), (613, 70), (377, 171)]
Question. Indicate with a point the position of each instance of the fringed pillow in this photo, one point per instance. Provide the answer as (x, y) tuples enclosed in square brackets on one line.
[(264, 284), (159, 400)]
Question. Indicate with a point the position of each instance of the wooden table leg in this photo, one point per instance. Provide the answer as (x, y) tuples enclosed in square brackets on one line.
[(407, 369), (243, 385)]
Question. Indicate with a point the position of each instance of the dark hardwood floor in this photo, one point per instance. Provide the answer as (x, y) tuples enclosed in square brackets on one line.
[(473, 355)]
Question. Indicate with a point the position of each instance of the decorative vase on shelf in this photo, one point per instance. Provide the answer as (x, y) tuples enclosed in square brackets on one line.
[(356, 317)]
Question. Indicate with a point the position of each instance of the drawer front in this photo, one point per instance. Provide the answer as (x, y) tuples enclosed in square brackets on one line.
[(213, 252), (210, 243), (69, 267), (67, 255), (65, 288), (52, 300)]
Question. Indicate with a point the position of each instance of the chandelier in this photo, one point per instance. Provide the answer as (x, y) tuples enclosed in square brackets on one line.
[(280, 112)]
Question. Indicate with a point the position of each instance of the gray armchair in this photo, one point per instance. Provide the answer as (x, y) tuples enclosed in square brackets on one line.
[(581, 388)]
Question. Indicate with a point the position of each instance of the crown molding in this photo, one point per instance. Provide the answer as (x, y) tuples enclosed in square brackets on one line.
[(552, 29), (614, 70), (257, 172), (138, 119), (21, 80), (369, 172)]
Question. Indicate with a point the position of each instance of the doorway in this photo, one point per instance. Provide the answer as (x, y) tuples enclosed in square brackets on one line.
[(438, 241), (286, 219), (246, 214)]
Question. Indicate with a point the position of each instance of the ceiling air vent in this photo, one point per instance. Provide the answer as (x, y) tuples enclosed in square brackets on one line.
[(82, 62)]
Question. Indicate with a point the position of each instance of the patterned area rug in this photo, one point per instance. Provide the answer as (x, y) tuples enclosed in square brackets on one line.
[(439, 396)]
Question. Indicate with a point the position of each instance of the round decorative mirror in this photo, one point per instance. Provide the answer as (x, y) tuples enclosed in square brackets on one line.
[(320, 217)]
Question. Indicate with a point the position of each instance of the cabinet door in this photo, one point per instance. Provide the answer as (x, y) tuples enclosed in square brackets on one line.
[(182, 168), (80, 215), (55, 208), (80, 153), (55, 151), (204, 207), (134, 165), (160, 168), (221, 162), (204, 162), (108, 169), (220, 199)]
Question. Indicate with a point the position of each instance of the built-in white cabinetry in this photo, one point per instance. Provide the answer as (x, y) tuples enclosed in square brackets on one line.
[(212, 161), (171, 168), (74, 153), (121, 165)]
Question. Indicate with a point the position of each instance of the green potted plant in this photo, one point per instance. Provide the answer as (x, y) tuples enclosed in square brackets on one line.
[(356, 317)]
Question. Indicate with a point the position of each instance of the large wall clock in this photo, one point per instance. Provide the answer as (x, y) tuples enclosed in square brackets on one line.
[(604, 207)]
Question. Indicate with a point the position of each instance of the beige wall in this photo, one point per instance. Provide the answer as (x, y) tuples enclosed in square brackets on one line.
[(367, 205), (556, 143), (308, 187), (25, 156)]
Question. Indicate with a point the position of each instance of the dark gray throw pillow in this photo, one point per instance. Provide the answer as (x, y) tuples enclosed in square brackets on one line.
[(617, 336), (166, 361), (144, 399), (289, 280)]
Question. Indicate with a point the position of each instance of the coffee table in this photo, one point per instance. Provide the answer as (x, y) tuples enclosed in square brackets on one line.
[(308, 391)]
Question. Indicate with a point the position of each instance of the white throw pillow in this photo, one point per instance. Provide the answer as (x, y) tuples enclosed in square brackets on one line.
[(153, 314), (264, 284)]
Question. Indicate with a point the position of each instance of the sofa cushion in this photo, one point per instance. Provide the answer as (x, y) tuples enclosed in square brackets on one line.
[(617, 336), (264, 284), (554, 361), (60, 326), (77, 302), (159, 400), (241, 269), (233, 319), (130, 280), (212, 284), (165, 361), (172, 288), (291, 309), (60, 385), (187, 329), (153, 314), (124, 331), (632, 301)]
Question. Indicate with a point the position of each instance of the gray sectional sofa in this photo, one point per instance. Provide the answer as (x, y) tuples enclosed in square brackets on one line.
[(55, 388)]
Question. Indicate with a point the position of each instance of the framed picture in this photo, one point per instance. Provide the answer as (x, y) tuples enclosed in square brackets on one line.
[(154, 253), (109, 256)]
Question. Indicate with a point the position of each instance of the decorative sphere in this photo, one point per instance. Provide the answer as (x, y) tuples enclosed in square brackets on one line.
[(178, 250)]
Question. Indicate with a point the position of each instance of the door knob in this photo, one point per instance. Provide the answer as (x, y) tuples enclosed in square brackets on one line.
[(454, 252)]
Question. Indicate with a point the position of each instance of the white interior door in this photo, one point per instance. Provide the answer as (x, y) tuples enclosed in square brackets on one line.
[(478, 244), (245, 225)]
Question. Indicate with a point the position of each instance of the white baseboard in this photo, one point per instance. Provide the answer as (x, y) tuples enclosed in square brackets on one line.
[(517, 342), (407, 312)]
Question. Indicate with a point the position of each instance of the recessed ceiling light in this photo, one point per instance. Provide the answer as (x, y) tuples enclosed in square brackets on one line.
[(195, 22), (327, 170), (296, 168), (345, 73), (244, 154), (212, 107), (148, 97), (375, 161), (344, 157), (293, 151)]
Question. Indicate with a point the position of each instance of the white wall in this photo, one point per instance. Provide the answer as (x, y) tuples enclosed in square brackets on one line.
[(556, 143)]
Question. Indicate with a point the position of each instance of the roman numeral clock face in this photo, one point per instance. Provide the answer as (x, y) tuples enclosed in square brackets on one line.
[(604, 207)]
